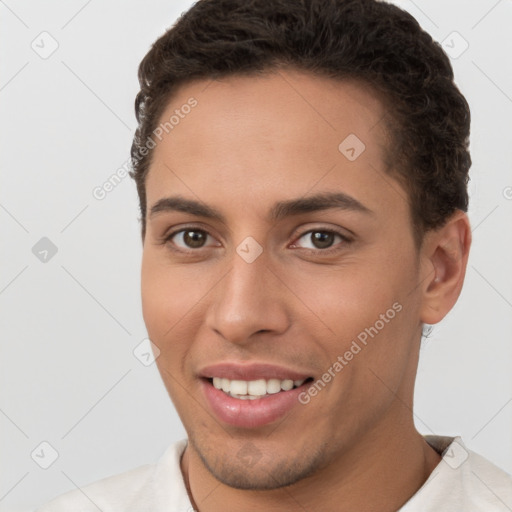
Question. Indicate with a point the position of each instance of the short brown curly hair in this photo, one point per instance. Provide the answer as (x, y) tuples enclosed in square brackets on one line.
[(367, 40)]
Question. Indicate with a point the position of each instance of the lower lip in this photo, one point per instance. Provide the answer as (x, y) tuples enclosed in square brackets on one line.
[(250, 413)]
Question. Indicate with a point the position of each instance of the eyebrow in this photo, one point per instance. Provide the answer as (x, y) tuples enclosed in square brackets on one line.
[(280, 210)]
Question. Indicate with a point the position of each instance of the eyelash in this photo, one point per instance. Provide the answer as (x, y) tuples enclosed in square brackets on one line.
[(346, 240)]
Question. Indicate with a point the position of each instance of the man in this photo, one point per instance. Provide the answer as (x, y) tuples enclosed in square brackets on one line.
[(302, 169)]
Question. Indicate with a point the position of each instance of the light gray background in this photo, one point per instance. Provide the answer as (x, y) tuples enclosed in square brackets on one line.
[(70, 325)]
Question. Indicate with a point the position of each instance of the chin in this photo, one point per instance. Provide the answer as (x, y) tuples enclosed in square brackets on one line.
[(247, 468)]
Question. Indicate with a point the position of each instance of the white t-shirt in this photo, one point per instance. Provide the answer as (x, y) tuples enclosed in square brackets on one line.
[(462, 482)]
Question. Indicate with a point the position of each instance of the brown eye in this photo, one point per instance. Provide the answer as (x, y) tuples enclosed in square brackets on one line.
[(194, 239), (322, 239), (189, 238), (318, 239)]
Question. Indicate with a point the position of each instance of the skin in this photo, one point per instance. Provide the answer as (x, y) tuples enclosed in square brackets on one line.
[(251, 142)]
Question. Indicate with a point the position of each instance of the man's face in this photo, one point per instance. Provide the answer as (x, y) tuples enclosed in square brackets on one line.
[(280, 294)]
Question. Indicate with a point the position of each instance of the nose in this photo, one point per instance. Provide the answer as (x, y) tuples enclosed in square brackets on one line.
[(248, 301)]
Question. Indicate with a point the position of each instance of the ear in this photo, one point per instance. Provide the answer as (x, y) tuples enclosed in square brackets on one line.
[(444, 256)]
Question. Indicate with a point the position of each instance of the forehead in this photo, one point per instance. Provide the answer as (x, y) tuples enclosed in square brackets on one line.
[(280, 134), (283, 106)]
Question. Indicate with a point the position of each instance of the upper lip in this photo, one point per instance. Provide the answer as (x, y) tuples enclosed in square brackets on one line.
[(250, 371)]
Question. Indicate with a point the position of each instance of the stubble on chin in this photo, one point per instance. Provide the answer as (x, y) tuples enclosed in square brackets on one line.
[(241, 471)]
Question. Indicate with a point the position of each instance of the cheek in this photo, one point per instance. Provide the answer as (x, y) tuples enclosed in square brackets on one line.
[(173, 303), (164, 289), (156, 299), (367, 312), (166, 298), (349, 299)]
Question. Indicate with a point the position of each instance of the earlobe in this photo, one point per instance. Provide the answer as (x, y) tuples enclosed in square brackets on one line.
[(445, 255)]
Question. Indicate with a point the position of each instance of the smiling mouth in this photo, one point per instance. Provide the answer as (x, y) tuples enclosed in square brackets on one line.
[(255, 389)]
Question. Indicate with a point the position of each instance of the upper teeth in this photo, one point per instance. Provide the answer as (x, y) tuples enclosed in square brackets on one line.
[(254, 388)]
